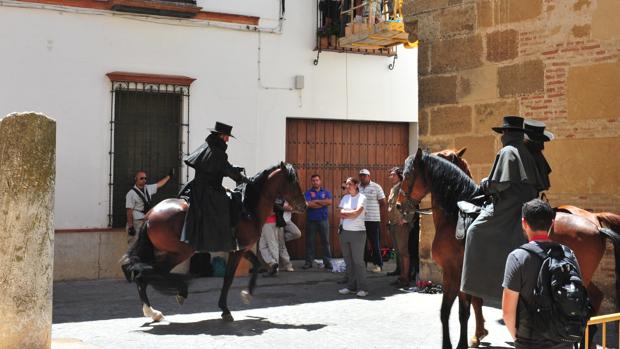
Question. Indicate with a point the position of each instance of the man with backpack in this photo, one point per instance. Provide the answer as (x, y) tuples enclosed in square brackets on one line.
[(544, 303), (138, 201)]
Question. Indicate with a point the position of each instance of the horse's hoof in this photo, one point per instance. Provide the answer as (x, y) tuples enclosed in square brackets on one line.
[(157, 316), (227, 317), (180, 299), (484, 334), (246, 297), (475, 340)]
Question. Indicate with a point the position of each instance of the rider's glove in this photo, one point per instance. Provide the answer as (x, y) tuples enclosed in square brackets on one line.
[(243, 179), (484, 186), (171, 172)]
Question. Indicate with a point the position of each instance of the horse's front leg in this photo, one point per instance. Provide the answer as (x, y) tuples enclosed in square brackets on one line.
[(231, 267), (464, 303), (481, 332), (447, 300), (596, 299), (147, 310), (182, 294), (246, 295)]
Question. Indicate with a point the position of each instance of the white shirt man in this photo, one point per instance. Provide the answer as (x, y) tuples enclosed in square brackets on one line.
[(136, 198), (375, 204)]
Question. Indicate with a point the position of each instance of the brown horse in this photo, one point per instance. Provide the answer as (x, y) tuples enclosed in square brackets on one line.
[(600, 219), (158, 248), (456, 157), (425, 173)]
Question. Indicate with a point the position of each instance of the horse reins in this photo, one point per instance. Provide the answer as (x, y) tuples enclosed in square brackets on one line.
[(423, 211)]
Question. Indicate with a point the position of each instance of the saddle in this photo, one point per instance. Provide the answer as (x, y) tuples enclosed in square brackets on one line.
[(468, 212), (236, 206), (186, 191), (236, 201)]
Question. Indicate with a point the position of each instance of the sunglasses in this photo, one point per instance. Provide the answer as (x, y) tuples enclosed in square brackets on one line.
[(141, 178)]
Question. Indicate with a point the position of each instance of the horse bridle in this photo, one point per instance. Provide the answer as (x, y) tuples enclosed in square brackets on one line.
[(407, 191)]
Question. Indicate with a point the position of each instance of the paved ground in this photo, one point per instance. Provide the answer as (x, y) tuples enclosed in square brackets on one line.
[(301, 309)]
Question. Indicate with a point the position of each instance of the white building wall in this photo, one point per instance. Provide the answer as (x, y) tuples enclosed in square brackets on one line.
[(55, 62)]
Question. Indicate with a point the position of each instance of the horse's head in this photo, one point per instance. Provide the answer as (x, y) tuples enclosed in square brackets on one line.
[(414, 186), (455, 157), (286, 185)]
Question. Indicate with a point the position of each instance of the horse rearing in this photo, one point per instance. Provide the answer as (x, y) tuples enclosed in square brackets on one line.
[(158, 248), (448, 184)]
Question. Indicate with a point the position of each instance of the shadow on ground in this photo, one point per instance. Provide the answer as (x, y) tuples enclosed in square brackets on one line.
[(216, 327), (78, 301), (487, 345)]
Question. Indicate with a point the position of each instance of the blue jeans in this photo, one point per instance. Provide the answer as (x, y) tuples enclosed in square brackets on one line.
[(323, 228), (373, 233)]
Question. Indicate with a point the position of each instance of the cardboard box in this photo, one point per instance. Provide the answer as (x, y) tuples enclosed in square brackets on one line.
[(348, 30), (359, 28)]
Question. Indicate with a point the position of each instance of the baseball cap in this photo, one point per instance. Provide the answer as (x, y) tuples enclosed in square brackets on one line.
[(365, 172)]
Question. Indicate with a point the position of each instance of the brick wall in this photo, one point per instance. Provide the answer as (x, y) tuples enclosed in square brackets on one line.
[(551, 60)]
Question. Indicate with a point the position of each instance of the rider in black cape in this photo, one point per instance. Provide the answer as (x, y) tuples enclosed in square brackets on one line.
[(514, 180), (208, 221), (535, 138)]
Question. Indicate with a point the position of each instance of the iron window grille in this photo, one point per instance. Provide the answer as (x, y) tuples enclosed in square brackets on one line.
[(131, 86)]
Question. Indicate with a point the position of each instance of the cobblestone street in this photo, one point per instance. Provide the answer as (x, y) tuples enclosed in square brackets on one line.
[(301, 309)]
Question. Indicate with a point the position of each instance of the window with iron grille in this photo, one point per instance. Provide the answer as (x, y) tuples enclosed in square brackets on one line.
[(147, 125)]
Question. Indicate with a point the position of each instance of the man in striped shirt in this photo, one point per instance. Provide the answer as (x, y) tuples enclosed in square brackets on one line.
[(375, 206)]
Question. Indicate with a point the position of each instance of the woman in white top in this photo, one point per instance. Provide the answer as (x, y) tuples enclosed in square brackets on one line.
[(353, 238)]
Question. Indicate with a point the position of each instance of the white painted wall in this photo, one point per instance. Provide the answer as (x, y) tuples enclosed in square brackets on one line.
[(55, 62)]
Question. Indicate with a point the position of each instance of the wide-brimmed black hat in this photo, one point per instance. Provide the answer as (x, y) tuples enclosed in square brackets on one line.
[(511, 122), (535, 130), (222, 128)]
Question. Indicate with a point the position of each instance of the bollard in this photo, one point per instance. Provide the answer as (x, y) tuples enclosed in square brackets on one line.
[(27, 175)]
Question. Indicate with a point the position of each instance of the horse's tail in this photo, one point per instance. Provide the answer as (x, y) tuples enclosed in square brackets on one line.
[(615, 239), (139, 257), (138, 264)]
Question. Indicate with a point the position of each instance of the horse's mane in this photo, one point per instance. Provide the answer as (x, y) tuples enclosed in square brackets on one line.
[(257, 182), (452, 156), (610, 220), (449, 183)]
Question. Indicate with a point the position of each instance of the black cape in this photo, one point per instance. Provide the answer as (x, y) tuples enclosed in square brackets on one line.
[(497, 231), (207, 224), (544, 170)]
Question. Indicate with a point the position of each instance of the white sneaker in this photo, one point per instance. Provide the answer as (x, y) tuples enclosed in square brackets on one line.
[(375, 269), (362, 293), (289, 268), (345, 291)]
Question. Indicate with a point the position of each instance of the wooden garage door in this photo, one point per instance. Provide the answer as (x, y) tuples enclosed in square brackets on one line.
[(336, 150)]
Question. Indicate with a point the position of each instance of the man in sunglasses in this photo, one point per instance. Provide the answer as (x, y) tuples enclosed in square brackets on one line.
[(138, 201)]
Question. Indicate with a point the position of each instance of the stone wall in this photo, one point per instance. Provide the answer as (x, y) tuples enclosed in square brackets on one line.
[(89, 254), (551, 60)]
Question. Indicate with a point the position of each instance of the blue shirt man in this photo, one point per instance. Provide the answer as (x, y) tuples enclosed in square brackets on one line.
[(317, 199)]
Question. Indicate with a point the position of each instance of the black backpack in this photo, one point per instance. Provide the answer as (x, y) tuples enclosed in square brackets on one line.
[(561, 308)]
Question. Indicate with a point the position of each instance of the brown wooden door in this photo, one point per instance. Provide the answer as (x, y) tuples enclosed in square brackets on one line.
[(335, 150)]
